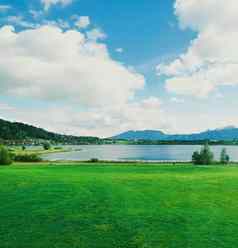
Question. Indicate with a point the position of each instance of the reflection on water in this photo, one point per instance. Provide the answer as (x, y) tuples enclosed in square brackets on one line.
[(138, 152)]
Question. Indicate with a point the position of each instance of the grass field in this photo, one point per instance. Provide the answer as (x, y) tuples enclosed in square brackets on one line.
[(118, 206), (39, 151)]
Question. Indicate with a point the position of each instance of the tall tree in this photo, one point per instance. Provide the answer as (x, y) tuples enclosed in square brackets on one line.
[(224, 157)]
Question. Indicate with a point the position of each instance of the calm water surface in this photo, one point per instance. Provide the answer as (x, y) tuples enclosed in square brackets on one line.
[(138, 152)]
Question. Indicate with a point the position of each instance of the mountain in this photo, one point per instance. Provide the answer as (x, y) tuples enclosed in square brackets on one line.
[(146, 135), (18, 132), (227, 133)]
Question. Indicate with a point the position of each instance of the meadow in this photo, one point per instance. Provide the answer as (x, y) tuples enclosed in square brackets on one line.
[(17, 150), (118, 206)]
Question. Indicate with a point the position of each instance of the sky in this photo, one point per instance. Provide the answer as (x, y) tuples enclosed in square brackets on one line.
[(99, 68)]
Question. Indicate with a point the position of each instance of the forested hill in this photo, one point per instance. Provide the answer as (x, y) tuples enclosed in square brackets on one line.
[(15, 131)]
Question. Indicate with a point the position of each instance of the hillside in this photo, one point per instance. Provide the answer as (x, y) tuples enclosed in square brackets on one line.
[(227, 133), (17, 132)]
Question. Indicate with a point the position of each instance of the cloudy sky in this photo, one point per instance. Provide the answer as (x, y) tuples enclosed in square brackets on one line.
[(90, 67)]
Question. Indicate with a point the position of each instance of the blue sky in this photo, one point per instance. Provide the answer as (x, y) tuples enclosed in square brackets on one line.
[(157, 55)]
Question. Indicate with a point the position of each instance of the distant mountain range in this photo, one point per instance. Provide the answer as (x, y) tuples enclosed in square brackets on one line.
[(15, 133), (227, 133)]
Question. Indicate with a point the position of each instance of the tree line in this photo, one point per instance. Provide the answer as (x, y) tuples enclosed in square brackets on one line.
[(206, 157)]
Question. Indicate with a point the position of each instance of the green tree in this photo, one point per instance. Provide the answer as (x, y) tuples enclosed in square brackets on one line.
[(196, 158), (5, 156), (204, 157), (224, 157), (46, 146)]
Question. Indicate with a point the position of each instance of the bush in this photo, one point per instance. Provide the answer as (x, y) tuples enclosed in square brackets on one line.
[(58, 148), (46, 146), (94, 160), (204, 157), (196, 158), (27, 158), (224, 157), (5, 156)]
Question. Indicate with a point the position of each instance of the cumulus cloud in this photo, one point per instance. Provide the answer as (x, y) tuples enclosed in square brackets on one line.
[(110, 120), (81, 21), (212, 57), (96, 34), (19, 21), (48, 3), (97, 121), (58, 23), (50, 64)]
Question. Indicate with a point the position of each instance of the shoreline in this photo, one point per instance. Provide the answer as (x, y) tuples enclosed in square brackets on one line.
[(118, 163), (41, 152)]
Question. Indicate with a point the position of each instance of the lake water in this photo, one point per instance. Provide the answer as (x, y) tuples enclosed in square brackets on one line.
[(137, 152)]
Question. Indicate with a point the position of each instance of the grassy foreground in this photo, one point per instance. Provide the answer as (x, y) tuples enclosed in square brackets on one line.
[(118, 206)]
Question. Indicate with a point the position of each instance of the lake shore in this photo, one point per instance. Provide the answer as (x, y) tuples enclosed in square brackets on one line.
[(115, 163), (19, 151), (125, 153)]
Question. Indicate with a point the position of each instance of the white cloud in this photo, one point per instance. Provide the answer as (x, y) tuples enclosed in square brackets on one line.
[(4, 8), (207, 14), (59, 23), (48, 3), (177, 100), (212, 58), (6, 107), (96, 34), (36, 13), (81, 21), (19, 21), (100, 121), (47, 63), (120, 50)]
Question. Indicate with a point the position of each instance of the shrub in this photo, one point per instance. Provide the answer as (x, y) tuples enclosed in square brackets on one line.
[(204, 157), (224, 157), (196, 158), (46, 146), (94, 160), (5, 156), (27, 158)]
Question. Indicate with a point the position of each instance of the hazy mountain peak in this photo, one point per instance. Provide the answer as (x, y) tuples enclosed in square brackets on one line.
[(227, 127), (225, 133)]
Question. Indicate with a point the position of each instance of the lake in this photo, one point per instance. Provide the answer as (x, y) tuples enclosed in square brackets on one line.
[(137, 152)]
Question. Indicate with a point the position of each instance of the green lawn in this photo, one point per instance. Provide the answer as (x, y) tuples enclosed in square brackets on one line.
[(40, 151), (118, 206)]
